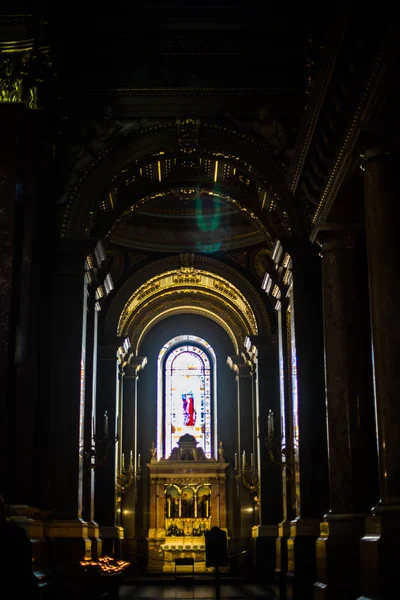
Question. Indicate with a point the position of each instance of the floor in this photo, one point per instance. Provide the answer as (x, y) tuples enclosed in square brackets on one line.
[(197, 590)]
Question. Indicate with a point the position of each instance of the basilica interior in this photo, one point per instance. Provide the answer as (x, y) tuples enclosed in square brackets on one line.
[(198, 307)]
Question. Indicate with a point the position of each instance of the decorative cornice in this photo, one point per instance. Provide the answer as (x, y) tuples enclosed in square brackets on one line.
[(319, 88), (189, 91), (373, 89)]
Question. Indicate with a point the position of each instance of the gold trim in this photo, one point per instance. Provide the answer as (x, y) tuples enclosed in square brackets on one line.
[(196, 281), (192, 310)]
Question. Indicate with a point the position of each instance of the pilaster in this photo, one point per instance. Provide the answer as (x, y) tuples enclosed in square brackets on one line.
[(244, 456), (129, 445), (105, 463)]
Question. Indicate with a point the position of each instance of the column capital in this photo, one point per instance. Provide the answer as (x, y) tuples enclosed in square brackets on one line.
[(134, 365), (336, 239), (72, 251), (239, 365), (299, 247), (374, 153), (265, 345)]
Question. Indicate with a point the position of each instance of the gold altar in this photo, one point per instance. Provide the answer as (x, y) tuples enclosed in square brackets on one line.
[(187, 499)]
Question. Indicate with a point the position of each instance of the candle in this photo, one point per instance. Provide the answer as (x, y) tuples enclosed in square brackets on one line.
[(244, 458), (138, 461), (251, 460), (94, 427), (123, 460), (131, 458), (270, 423), (105, 423), (169, 507), (236, 460)]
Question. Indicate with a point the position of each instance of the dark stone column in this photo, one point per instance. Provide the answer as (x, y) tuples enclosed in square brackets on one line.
[(63, 391), (105, 469), (308, 392), (288, 479), (350, 420), (270, 507), (380, 547), (16, 438)]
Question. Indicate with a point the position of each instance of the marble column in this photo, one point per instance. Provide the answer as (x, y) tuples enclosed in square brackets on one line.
[(106, 425), (270, 506), (309, 414), (286, 412), (350, 419), (380, 553)]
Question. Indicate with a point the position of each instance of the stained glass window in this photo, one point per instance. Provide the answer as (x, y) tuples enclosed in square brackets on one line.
[(186, 401)]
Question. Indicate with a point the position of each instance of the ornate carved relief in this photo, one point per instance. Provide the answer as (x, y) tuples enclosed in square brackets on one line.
[(188, 280), (23, 69), (154, 270)]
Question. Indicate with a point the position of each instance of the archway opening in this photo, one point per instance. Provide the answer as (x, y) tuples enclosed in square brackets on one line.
[(186, 394)]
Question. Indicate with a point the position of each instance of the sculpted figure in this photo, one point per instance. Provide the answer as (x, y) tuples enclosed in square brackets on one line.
[(267, 127)]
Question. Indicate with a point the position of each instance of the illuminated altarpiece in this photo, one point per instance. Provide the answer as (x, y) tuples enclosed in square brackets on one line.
[(187, 498), (187, 484)]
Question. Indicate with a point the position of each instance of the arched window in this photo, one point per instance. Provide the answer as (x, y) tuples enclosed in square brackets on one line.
[(186, 393)]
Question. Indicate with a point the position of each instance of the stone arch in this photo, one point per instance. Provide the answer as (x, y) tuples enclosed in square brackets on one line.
[(224, 296), (235, 146)]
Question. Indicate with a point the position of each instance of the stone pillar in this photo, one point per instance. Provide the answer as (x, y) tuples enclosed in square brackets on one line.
[(309, 418), (352, 459), (63, 391), (20, 155), (270, 506), (380, 547), (288, 475), (244, 455), (106, 462), (129, 444)]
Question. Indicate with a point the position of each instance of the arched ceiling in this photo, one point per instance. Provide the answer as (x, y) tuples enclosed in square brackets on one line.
[(183, 187)]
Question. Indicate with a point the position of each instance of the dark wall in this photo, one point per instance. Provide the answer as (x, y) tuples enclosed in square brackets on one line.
[(147, 393)]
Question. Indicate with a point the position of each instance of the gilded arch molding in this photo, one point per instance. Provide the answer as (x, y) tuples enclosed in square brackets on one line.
[(187, 290), (192, 300)]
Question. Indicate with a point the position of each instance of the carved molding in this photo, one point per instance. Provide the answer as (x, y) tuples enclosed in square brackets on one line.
[(156, 268)]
